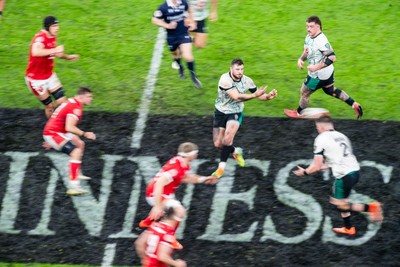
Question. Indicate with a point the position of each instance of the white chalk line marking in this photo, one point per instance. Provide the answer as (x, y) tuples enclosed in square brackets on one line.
[(143, 111), (147, 95)]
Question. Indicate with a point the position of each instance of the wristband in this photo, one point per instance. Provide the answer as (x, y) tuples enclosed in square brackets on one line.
[(202, 179)]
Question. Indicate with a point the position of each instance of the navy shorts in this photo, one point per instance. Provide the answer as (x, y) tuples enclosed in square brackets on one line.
[(220, 119), (315, 83), (175, 41)]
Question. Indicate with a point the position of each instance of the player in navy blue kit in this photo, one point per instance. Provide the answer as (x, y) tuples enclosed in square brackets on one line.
[(171, 15)]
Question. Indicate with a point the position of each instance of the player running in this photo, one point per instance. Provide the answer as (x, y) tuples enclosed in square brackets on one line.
[(333, 149), (39, 76), (62, 127), (229, 106), (156, 245), (171, 16), (160, 193), (321, 57)]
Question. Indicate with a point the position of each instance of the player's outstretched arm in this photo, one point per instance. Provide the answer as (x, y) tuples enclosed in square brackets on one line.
[(198, 179), (316, 165), (68, 57), (240, 97), (269, 96), (38, 50)]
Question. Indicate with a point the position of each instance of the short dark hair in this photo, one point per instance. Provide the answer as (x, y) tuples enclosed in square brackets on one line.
[(314, 19), (237, 61), (83, 90), (324, 119)]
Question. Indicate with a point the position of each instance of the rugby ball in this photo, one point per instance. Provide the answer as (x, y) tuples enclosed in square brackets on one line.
[(313, 113)]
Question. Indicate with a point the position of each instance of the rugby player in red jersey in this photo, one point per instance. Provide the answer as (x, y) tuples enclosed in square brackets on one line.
[(160, 192), (39, 75), (62, 127), (155, 246)]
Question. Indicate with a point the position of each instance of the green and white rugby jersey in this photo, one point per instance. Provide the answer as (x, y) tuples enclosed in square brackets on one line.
[(338, 153), (315, 47), (199, 9), (224, 102)]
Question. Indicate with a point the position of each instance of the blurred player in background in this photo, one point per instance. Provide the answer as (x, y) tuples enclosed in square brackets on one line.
[(39, 76), (160, 192), (156, 245), (171, 16), (201, 12), (321, 57), (333, 149), (229, 106), (62, 127)]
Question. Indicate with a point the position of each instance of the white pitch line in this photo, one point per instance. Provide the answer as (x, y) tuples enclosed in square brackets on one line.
[(109, 253), (143, 109)]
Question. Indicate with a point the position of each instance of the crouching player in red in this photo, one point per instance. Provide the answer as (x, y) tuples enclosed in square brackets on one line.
[(160, 193), (62, 134), (155, 246)]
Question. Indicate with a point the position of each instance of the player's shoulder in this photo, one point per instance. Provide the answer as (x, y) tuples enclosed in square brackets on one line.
[(225, 81), (40, 36), (246, 78), (322, 38), (323, 137), (163, 7)]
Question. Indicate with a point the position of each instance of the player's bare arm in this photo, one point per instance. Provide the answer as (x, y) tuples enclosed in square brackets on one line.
[(316, 165), (301, 59), (70, 126), (161, 23), (213, 14), (329, 59), (240, 97), (157, 211), (68, 57), (271, 95), (38, 50), (192, 178)]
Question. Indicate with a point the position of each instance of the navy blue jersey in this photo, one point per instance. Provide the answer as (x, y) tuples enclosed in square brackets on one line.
[(169, 12)]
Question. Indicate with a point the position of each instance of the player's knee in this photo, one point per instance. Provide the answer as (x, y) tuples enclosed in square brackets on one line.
[(180, 212), (188, 57), (57, 94), (79, 143), (332, 91), (218, 144), (69, 148), (199, 44), (228, 140)]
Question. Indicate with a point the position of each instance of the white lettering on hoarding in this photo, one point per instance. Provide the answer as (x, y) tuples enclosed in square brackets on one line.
[(91, 210)]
